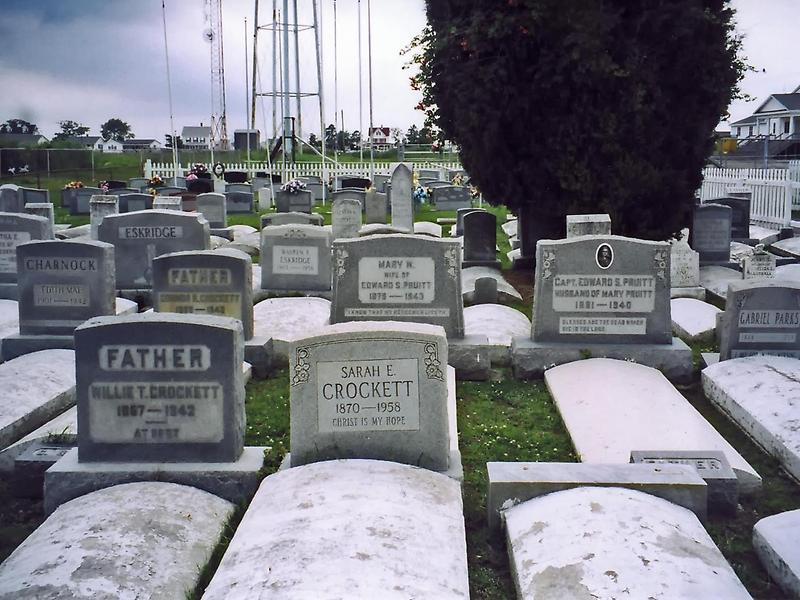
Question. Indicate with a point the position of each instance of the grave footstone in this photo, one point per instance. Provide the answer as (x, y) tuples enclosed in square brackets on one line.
[(375, 207), (710, 234), (761, 317), (596, 224), (264, 197), (606, 296), (139, 237), (295, 258), (100, 207), (16, 229), (480, 240), (693, 320), (402, 202), (284, 320), (345, 216), (499, 324)]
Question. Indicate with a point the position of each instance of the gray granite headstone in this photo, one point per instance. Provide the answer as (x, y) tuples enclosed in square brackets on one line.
[(81, 198), (291, 218), (740, 214), (376, 207), (100, 207), (239, 202), (460, 219), (33, 195), (15, 229), (10, 199), (139, 182), (402, 202), (63, 283), (159, 387), (301, 201), (370, 390), (213, 208), (239, 187), (398, 277), (485, 291), (711, 233), (345, 217), (761, 317), (295, 258), (429, 173), (205, 282), (134, 202), (139, 237), (43, 209), (379, 182), (602, 289), (168, 203), (480, 239), (596, 224), (451, 197), (351, 194)]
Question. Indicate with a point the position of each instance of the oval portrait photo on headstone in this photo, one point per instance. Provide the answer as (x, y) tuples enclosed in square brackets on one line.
[(604, 256)]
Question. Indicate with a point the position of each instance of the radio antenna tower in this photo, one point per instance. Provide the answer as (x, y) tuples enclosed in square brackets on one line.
[(213, 35)]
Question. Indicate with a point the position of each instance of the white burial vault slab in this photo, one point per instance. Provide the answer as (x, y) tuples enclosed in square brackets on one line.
[(614, 543), (775, 540), (63, 426), (36, 387), (761, 394), (288, 319), (613, 407), (694, 320), (787, 247), (505, 291), (138, 540), (348, 529), (788, 272), (715, 279), (499, 324)]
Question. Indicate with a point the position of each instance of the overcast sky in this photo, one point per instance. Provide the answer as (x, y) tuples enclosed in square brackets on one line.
[(90, 60)]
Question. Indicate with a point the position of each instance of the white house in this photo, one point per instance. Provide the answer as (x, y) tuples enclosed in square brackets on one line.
[(196, 138), (380, 138), (141, 144), (777, 117), (96, 143)]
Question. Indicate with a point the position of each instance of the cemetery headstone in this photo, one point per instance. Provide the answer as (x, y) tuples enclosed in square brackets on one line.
[(168, 203), (300, 201), (81, 199), (376, 207), (291, 218), (213, 208), (451, 197), (711, 233), (138, 183), (10, 199), (42, 209), (460, 219), (761, 317), (398, 277), (345, 217), (351, 181), (379, 182), (158, 387), (759, 265), (235, 176), (239, 202), (135, 202), (597, 224), (100, 207), (16, 229), (480, 239), (402, 202), (429, 173), (295, 258), (33, 195), (239, 187), (371, 390), (139, 237), (740, 214)]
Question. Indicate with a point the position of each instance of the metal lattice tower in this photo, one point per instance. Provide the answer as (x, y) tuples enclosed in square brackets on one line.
[(219, 128)]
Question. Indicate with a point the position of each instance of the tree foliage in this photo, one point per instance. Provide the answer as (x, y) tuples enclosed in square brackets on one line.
[(70, 129), (168, 141), (116, 129), (18, 126), (582, 106)]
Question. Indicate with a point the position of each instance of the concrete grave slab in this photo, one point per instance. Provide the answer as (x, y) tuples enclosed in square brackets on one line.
[(510, 227), (141, 540), (36, 387), (499, 324), (761, 394), (614, 543), (379, 229), (694, 320), (775, 542), (288, 319), (788, 272), (715, 279), (613, 407), (348, 529), (428, 228), (506, 292), (512, 483), (63, 427), (787, 247)]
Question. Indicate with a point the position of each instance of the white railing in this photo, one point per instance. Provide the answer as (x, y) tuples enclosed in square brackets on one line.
[(774, 191), (302, 169)]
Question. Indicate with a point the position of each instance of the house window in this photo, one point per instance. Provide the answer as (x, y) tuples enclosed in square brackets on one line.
[(750, 132), (774, 129), (786, 126)]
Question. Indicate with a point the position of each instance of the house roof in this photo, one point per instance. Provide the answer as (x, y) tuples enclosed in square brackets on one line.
[(31, 138), (749, 120), (139, 141), (384, 130), (195, 131), (789, 101), (91, 140)]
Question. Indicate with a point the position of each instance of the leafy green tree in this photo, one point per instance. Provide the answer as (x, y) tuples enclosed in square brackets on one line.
[(116, 129), (18, 126), (70, 129), (412, 135), (330, 136), (583, 106)]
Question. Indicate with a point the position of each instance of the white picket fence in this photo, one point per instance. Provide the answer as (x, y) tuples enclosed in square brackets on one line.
[(774, 191), (302, 169)]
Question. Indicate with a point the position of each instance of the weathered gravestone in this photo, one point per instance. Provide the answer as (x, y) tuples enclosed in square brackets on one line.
[(711, 233), (160, 387), (139, 183), (134, 202), (139, 237), (371, 390), (605, 295), (16, 229), (30, 195), (296, 258), (761, 317), (209, 282), (300, 201), (291, 218), (239, 187), (379, 182), (61, 285), (10, 199), (213, 208), (480, 239), (345, 217), (740, 214), (429, 173), (376, 207), (402, 202), (42, 209), (451, 197), (100, 207), (596, 224), (168, 203), (759, 265), (239, 202), (685, 271), (351, 194), (398, 277), (81, 198)]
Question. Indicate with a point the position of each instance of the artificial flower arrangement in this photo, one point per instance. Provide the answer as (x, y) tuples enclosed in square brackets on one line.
[(198, 170), (294, 186), (474, 192), (155, 181), (191, 177), (103, 186), (73, 185), (458, 179), (420, 194)]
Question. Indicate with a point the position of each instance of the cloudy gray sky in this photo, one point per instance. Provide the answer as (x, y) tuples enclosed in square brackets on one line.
[(90, 60)]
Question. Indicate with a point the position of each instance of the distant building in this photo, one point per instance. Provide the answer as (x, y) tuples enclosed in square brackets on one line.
[(380, 138), (94, 143), (777, 117), (196, 138), (137, 144), (11, 140), (240, 139)]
